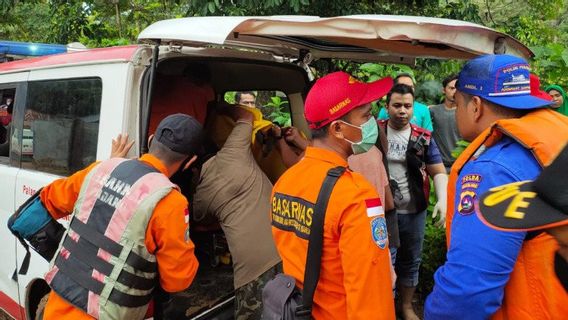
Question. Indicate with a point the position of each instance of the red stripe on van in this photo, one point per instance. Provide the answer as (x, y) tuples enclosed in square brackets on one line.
[(11, 307), (125, 53)]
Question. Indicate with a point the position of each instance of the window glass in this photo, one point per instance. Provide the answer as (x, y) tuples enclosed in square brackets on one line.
[(61, 125), (6, 109), (273, 105)]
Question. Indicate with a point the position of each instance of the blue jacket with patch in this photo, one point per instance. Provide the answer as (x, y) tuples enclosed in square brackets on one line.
[(470, 285)]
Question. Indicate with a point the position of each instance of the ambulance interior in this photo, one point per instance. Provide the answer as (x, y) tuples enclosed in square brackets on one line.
[(196, 87)]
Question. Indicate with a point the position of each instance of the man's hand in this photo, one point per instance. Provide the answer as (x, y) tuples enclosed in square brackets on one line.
[(293, 136), (440, 208), (241, 114), (235, 112), (441, 187), (120, 146)]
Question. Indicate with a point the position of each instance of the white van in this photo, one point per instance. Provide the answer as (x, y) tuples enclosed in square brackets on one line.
[(69, 106)]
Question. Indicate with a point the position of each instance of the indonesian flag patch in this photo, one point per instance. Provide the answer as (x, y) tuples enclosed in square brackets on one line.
[(186, 216), (374, 207)]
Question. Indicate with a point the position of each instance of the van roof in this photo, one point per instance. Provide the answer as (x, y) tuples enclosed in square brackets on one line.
[(124, 53)]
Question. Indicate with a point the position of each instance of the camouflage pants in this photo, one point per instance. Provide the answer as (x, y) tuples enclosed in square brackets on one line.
[(248, 298)]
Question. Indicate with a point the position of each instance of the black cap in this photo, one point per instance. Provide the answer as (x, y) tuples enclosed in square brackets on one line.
[(180, 133), (530, 205)]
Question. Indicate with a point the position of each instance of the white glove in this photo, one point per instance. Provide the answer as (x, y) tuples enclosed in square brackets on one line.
[(441, 187)]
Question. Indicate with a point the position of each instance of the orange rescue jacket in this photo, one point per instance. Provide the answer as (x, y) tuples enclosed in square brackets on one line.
[(533, 290), (355, 280)]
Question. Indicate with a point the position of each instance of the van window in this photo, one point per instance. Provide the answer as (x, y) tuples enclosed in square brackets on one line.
[(6, 109), (274, 105), (61, 125)]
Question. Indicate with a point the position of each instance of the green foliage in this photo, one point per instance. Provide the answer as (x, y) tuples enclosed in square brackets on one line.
[(433, 255), (551, 63), (460, 147), (230, 97), (278, 111)]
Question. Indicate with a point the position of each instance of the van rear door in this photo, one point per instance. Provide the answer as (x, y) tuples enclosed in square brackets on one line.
[(396, 39)]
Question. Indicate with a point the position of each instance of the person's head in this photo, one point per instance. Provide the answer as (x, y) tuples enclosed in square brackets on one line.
[(176, 142), (246, 98), (407, 79), (557, 98), (449, 87), (338, 112), (10, 104), (558, 95), (400, 106), (490, 88)]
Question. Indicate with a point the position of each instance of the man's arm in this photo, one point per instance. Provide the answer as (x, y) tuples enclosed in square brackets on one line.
[(238, 142), (479, 260), (437, 171), (167, 237), (59, 197), (366, 271)]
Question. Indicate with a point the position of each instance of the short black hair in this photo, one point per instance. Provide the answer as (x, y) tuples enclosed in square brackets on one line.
[(449, 79), (404, 75), (165, 154), (240, 93), (322, 132), (400, 89)]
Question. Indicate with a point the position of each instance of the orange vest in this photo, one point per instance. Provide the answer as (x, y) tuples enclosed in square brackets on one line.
[(533, 291)]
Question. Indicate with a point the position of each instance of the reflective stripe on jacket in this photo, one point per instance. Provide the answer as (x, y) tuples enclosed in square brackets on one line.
[(102, 265)]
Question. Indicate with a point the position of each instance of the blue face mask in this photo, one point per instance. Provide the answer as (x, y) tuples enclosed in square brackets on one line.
[(369, 135)]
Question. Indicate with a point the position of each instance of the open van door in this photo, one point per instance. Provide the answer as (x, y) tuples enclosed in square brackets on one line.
[(396, 39)]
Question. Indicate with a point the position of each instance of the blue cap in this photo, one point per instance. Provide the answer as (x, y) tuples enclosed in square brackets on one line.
[(502, 79)]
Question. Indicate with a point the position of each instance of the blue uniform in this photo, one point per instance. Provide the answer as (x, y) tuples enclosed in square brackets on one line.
[(470, 285), (421, 116)]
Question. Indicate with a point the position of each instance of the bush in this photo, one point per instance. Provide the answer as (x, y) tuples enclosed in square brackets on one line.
[(433, 256)]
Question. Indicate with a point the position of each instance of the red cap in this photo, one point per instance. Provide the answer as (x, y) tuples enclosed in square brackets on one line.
[(334, 95), (535, 88)]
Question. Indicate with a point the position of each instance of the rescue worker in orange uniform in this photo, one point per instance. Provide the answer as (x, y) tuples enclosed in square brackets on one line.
[(492, 274), (355, 280), (129, 226)]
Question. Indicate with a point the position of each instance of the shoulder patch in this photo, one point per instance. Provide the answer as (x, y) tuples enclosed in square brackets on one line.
[(470, 181), (467, 200), (379, 231)]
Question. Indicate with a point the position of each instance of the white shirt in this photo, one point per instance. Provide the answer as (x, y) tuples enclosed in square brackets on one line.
[(398, 169)]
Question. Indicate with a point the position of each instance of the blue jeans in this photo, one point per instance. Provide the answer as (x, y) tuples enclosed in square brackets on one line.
[(407, 257)]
